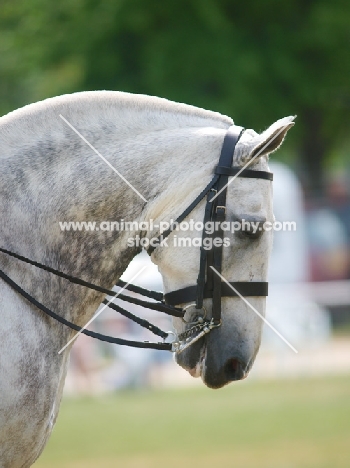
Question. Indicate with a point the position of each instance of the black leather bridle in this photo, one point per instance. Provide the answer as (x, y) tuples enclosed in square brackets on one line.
[(209, 284)]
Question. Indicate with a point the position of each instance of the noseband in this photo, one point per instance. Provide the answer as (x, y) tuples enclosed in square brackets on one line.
[(209, 285)]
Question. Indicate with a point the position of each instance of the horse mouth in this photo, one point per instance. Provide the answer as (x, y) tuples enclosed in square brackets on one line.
[(197, 371), (192, 359)]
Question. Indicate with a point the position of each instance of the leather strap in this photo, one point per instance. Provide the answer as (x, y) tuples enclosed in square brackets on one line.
[(246, 173), (142, 322), (245, 288), (184, 214), (160, 306), (73, 326), (219, 214), (203, 259)]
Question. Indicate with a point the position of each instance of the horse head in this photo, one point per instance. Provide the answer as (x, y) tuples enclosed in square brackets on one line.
[(228, 351)]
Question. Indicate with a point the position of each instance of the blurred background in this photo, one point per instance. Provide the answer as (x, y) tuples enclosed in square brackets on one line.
[(256, 62)]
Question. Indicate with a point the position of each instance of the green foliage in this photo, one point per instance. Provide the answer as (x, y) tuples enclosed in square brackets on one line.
[(255, 61)]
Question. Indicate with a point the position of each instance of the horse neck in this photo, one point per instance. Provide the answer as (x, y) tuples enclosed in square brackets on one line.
[(72, 183)]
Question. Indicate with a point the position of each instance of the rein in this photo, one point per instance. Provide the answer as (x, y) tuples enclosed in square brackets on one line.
[(158, 306), (208, 285)]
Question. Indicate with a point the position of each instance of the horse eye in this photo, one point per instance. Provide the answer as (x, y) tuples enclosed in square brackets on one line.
[(253, 231), (250, 227)]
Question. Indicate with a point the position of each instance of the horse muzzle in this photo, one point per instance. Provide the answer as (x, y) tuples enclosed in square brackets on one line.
[(217, 365)]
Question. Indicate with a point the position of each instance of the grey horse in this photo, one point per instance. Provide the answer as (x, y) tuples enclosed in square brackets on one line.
[(163, 154)]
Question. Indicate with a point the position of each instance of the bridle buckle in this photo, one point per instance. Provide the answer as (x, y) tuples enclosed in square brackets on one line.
[(221, 207)]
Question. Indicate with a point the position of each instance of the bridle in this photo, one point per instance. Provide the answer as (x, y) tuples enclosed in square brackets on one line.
[(209, 284)]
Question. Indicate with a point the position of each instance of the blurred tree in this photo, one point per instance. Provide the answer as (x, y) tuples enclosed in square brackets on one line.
[(256, 62)]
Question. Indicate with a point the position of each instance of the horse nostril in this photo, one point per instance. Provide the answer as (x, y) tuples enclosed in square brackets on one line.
[(233, 369)]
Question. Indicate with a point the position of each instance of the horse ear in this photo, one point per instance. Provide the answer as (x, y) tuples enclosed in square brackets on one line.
[(271, 139)]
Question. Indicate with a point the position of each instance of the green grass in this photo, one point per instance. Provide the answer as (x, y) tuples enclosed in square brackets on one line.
[(279, 424)]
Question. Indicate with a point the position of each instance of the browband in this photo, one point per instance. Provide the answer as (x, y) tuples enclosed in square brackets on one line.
[(247, 173)]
